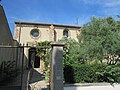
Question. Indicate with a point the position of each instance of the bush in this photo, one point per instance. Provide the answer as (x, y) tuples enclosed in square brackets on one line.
[(110, 74), (91, 73)]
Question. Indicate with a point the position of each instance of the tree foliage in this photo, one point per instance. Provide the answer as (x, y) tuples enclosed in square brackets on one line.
[(71, 52), (100, 40)]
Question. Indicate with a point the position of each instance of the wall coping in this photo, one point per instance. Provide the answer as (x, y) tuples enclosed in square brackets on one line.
[(57, 44), (90, 84)]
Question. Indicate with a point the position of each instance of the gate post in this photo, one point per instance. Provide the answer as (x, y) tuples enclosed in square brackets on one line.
[(56, 67)]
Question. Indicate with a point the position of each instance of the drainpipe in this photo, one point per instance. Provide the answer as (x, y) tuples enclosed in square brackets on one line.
[(19, 32)]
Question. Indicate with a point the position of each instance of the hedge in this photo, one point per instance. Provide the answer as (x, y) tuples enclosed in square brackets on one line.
[(91, 73)]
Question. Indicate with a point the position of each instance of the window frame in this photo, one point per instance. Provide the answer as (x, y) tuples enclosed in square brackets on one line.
[(35, 30), (64, 33)]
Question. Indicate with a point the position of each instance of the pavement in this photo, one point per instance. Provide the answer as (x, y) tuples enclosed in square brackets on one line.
[(94, 87)]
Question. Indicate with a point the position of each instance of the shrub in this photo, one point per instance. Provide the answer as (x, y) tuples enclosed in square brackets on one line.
[(91, 73), (110, 74)]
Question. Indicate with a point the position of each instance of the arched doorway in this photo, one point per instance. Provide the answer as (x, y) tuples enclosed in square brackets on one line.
[(34, 60)]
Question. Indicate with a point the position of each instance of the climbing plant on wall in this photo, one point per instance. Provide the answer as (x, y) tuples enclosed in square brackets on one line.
[(43, 51)]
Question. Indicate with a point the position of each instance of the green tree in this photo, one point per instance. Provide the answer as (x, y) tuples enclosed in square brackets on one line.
[(100, 40), (71, 52)]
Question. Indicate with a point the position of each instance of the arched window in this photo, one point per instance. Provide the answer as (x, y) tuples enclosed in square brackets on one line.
[(65, 33)]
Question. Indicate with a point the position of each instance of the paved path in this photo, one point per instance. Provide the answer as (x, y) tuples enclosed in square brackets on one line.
[(37, 81)]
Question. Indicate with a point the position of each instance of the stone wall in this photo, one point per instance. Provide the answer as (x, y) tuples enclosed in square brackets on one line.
[(51, 32)]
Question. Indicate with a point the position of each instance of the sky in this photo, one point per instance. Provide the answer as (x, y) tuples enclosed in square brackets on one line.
[(66, 12)]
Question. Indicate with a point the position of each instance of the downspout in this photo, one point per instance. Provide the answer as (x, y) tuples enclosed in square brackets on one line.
[(19, 32)]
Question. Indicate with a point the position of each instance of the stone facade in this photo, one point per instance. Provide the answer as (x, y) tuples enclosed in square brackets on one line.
[(29, 33), (47, 32)]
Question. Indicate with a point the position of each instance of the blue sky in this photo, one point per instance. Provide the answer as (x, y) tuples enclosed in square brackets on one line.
[(58, 11)]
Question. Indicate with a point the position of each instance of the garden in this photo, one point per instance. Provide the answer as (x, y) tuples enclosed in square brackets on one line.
[(95, 57)]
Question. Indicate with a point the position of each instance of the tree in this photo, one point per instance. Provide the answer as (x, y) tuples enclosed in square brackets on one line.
[(100, 40), (71, 52)]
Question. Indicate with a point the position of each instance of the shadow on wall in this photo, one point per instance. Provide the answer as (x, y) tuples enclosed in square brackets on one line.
[(12, 63), (35, 76), (5, 34)]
